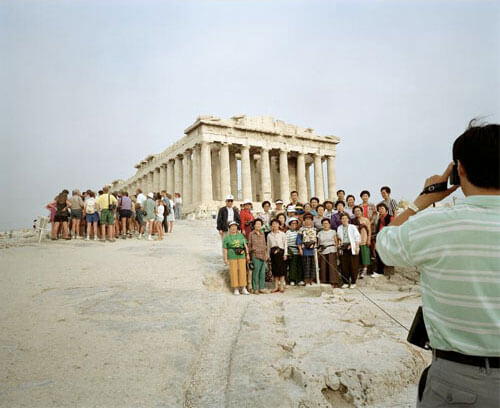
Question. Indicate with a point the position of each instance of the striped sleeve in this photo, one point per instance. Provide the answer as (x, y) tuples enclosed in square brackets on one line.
[(393, 245)]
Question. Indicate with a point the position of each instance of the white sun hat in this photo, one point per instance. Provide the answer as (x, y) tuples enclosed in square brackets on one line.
[(246, 202), (230, 197)]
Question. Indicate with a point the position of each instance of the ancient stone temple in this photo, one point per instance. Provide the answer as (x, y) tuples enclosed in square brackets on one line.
[(255, 158)]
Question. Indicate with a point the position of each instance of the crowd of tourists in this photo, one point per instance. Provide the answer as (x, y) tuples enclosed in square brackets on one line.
[(301, 242), (109, 215)]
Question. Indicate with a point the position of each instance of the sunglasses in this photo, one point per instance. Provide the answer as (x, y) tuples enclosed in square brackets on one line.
[(230, 201)]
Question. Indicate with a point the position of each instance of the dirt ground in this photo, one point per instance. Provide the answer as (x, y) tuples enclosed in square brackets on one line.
[(154, 324)]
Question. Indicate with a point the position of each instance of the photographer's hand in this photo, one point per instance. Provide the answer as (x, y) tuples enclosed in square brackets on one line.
[(425, 200)]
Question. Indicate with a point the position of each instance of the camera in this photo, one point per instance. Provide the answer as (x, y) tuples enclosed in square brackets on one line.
[(454, 178)]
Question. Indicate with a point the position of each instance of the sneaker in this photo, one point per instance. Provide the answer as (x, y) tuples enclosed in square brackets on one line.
[(344, 286), (149, 238), (87, 239), (244, 291), (95, 238), (236, 292), (352, 286), (375, 275), (140, 236), (302, 283), (292, 283)]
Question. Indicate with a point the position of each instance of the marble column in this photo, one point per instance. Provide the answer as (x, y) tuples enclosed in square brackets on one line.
[(150, 181), (216, 174), (253, 175), (225, 171), (195, 173), (206, 173), (332, 179), (178, 175), (284, 179), (265, 171), (246, 177), (156, 180), (301, 178), (234, 174), (258, 180), (170, 177), (163, 177), (318, 178), (308, 181), (186, 175)]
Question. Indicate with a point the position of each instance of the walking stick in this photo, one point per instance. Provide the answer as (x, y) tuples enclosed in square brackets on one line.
[(317, 265)]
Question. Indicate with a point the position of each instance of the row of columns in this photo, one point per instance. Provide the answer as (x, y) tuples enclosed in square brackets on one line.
[(204, 174)]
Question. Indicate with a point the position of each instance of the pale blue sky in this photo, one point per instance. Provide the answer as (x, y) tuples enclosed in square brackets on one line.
[(91, 87)]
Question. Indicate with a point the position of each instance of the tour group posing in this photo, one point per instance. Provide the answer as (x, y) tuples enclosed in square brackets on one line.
[(283, 242)]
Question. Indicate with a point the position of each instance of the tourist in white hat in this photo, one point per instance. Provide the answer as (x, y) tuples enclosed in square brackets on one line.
[(236, 256), (246, 217), (150, 209), (226, 215), (278, 208)]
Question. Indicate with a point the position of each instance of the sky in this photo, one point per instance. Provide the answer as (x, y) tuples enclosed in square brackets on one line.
[(89, 88)]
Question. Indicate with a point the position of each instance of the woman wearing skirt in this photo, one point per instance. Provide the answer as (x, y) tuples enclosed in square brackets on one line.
[(277, 247)]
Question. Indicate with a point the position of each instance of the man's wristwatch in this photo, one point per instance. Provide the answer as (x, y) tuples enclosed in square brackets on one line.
[(413, 207)]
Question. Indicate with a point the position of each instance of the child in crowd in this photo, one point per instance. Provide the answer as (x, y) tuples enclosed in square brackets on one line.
[(295, 274), (306, 241)]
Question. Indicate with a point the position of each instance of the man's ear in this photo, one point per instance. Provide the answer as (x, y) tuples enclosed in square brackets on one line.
[(461, 170)]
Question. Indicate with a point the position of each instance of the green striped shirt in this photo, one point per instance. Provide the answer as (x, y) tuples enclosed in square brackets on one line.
[(457, 251)]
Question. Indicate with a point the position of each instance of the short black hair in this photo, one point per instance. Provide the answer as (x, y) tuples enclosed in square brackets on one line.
[(315, 199), (364, 192), (258, 220), (265, 202), (350, 195), (325, 219), (274, 220), (386, 188), (357, 206), (382, 205), (340, 191), (478, 149), (339, 202), (294, 191), (320, 205), (344, 215)]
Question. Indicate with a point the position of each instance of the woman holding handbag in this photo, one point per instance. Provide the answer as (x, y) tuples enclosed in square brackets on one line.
[(277, 249)]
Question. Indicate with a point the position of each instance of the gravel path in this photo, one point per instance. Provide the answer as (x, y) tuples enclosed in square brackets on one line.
[(153, 324)]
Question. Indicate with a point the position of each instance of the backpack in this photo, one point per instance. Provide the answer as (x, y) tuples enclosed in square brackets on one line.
[(166, 201)]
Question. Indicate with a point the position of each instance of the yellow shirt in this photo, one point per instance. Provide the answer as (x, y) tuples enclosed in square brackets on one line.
[(102, 201)]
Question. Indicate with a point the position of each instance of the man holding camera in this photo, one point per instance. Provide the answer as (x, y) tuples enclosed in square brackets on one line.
[(457, 251)]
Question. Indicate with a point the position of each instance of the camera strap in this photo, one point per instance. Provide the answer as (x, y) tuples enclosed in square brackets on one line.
[(370, 300), (434, 188)]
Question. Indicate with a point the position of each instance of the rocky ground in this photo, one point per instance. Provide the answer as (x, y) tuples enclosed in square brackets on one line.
[(153, 324)]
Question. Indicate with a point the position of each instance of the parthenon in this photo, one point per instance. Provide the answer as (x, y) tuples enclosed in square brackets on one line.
[(274, 158)]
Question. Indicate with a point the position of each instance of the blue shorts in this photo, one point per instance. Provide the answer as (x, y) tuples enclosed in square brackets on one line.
[(92, 217)]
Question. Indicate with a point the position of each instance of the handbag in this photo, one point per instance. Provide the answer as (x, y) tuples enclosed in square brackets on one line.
[(418, 335), (309, 245), (277, 251), (111, 207), (238, 250)]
